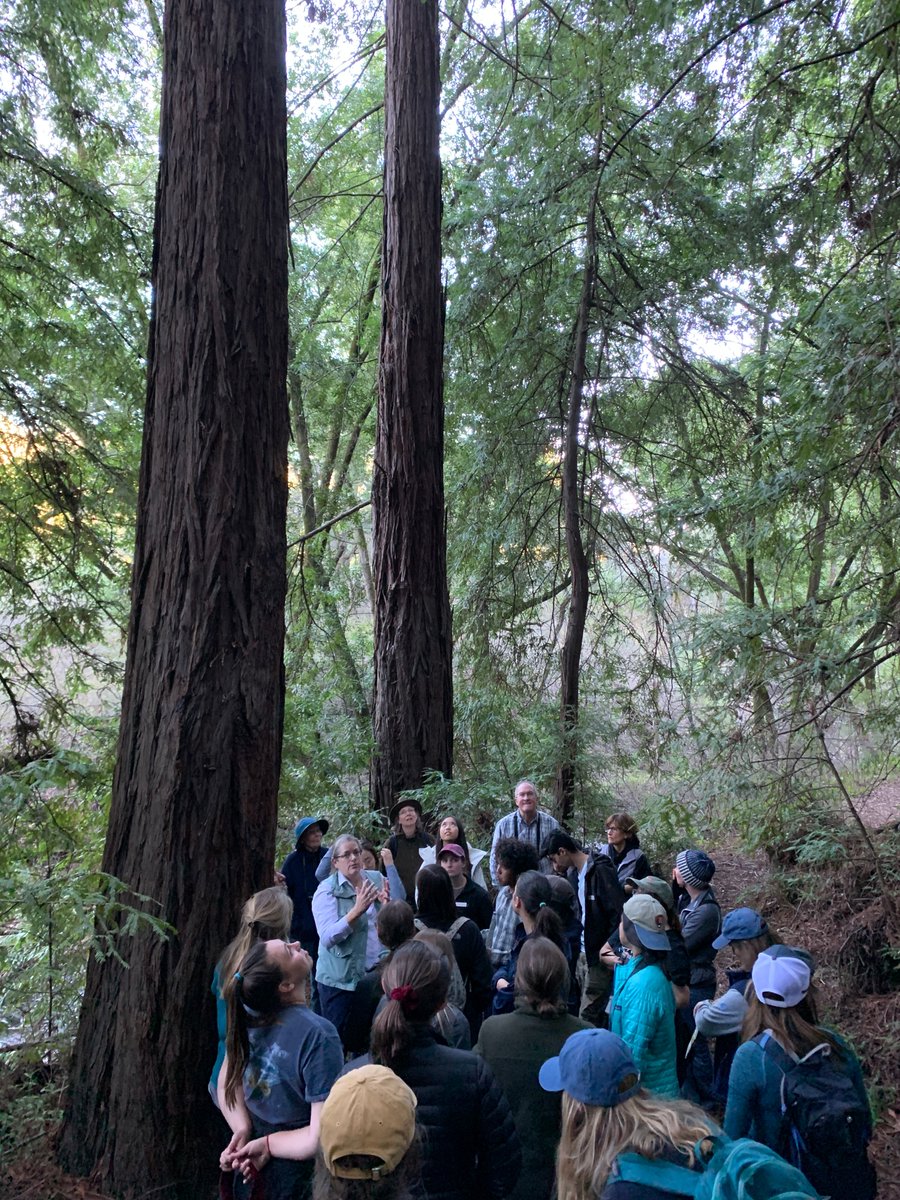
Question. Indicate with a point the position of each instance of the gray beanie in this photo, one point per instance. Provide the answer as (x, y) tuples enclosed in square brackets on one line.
[(696, 868)]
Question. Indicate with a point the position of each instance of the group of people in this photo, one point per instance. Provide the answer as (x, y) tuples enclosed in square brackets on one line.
[(552, 1030)]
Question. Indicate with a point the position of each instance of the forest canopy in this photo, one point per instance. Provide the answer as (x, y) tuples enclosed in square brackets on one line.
[(715, 190)]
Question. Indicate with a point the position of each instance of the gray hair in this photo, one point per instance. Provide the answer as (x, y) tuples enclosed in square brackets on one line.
[(339, 843)]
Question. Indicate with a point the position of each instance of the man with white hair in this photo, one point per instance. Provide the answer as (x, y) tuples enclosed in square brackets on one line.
[(528, 823)]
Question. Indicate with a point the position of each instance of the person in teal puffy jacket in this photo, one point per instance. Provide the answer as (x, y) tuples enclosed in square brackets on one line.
[(643, 1005)]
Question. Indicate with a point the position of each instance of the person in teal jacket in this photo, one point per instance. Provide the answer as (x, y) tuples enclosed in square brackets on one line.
[(643, 1003)]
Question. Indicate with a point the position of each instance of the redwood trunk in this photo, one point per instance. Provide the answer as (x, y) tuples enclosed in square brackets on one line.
[(192, 821), (413, 712)]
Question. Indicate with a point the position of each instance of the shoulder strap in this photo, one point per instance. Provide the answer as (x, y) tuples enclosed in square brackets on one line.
[(657, 1173), (516, 825), (420, 925), (455, 927)]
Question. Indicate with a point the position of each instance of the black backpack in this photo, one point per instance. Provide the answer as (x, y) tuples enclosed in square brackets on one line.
[(826, 1125)]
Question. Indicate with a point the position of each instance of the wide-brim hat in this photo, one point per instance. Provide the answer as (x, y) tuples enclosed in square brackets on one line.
[(306, 823), (404, 802)]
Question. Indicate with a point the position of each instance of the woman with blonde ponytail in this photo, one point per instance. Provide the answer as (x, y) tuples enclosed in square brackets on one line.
[(471, 1147), (267, 914), (517, 1043)]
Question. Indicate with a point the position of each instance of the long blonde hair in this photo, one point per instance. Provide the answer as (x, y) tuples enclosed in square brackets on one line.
[(593, 1137), (266, 915)]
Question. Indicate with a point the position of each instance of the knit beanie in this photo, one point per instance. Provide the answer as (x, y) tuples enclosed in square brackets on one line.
[(695, 868)]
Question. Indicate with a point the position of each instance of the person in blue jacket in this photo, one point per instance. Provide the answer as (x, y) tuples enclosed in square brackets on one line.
[(782, 1027), (643, 1005)]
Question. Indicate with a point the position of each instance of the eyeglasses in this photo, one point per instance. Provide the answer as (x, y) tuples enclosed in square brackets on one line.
[(348, 854)]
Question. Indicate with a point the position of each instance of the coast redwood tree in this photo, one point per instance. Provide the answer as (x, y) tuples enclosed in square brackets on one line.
[(413, 715), (192, 823)]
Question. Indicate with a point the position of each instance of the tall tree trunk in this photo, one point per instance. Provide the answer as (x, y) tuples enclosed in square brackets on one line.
[(570, 666), (192, 822), (413, 719)]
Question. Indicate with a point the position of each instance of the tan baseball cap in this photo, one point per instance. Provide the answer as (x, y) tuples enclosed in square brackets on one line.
[(368, 1111)]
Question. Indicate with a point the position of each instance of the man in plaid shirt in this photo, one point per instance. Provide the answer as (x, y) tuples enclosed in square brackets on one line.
[(527, 824)]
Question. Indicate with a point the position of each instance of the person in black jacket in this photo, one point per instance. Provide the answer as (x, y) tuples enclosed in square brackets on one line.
[(407, 839), (471, 1149), (601, 898), (701, 922), (299, 871), (437, 911), (469, 899)]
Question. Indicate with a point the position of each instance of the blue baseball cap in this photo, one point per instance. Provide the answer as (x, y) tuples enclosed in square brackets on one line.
[(591, 1067), (306, 823), (739, 926)]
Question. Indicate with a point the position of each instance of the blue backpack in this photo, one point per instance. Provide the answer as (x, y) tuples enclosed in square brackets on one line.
[(732, 1170)]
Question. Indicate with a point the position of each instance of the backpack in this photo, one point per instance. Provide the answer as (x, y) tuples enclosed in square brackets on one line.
[(731, 1170), (456, 993), (825, 1124)]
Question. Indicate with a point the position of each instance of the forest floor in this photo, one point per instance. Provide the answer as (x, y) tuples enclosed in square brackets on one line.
[(836, 922)]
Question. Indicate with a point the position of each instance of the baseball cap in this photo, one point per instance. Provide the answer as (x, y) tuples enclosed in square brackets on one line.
[(739, 926), (451, 848), (591, 1067), (368, 1111), (652, 885), (649, 919), (782, 951), (780, 982)]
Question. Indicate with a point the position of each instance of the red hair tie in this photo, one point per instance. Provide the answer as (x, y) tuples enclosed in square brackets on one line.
[(405, 996)]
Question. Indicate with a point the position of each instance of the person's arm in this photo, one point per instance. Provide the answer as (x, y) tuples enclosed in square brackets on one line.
[(395, 883), (699, 926), (238, 1119), (725, 1015), (742, 1091), (333, 928), (323, 870), (295, 1144)]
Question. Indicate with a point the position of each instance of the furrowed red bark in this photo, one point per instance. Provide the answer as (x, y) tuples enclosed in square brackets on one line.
[(413, 708), (192, 822)]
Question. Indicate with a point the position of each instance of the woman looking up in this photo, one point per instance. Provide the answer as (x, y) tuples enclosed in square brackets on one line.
[(345, 907), (451, 833), (279, 1067), (265, 916)]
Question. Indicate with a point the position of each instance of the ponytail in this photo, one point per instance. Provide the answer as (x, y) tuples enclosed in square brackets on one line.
[(536, 896), (253, 986), (415, 983), (266, 915)]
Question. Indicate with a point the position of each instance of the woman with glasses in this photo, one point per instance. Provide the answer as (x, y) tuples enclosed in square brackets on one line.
[(345, 906), (624, 848)]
